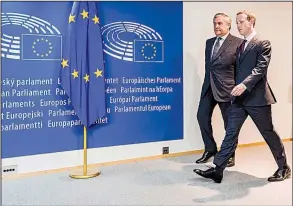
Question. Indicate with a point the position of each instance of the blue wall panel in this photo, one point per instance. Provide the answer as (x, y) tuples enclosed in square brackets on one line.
[(143, 46)]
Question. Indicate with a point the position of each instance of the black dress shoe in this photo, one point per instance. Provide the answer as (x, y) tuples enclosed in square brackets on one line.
[(231, 162), (281, 174), (210, 174), (205, 157)]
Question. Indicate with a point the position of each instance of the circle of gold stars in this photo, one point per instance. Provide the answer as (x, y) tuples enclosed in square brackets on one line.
[(50, 47), (147, 57)]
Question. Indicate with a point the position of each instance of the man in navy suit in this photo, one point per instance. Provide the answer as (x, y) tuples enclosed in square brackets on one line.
[(252, 97), (220, 60)]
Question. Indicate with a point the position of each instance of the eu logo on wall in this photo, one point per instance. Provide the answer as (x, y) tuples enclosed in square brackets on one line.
[(143, 60), (42, 42), (134, 42), (128, 41), (148, 51), (41, 47)]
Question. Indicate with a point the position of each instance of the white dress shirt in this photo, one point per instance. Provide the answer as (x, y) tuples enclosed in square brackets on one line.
[(249, 38), (221, 42)]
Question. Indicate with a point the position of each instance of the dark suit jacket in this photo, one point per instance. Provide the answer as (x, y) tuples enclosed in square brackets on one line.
[(220, 72), (251, 70)]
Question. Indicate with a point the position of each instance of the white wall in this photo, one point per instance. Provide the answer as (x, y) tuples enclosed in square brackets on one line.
[(274, 22)]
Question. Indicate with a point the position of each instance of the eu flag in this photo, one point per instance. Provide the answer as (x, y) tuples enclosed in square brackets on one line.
[(148, 51), (82, 71), (41, 47)]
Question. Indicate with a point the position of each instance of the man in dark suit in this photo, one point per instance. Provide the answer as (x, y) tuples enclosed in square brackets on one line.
[(252, 96), (220, 56)]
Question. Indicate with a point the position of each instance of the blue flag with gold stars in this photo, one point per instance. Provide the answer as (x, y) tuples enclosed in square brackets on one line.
[(148, 51), (41, 47), (82, 71)]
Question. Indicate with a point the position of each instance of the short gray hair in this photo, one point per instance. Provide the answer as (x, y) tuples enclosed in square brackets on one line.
[(227, 17)]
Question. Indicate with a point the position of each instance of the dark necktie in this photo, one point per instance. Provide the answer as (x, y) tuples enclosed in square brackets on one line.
[(216, 47), (242, 45)]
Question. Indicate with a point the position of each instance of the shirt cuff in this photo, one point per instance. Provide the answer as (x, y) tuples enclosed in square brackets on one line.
[(243, 86)]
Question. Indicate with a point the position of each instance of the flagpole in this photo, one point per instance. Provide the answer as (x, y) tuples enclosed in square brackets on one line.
[(85, 174)]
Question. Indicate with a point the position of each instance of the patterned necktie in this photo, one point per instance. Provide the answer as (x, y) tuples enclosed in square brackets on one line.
[(216, 48)]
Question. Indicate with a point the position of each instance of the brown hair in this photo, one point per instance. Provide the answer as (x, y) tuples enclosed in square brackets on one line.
[(249, 14)]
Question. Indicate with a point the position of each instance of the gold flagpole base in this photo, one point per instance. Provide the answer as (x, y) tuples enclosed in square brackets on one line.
[(85, 174), (82, 175)]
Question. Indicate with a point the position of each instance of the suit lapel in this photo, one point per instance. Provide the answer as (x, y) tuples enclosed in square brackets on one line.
[(237, 56), (210, 49), (250, 45), (225, 44)]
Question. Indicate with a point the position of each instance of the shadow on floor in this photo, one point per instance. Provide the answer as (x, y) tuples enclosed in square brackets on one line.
[(235, 185)]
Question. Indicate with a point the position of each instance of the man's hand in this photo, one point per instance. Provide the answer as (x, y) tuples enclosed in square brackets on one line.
[(238, 90)]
